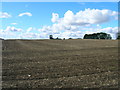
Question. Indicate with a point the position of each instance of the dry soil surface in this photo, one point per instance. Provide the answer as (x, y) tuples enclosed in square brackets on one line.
[(60, 64)]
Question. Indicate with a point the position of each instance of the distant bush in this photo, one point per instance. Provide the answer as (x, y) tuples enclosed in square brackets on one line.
[(51, 37), (63, 38), (58, 38), (118, 35), (100, 35), (1, 39), (70, 38)]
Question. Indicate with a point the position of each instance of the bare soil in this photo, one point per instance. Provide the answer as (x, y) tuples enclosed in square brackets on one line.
[(60, 63)]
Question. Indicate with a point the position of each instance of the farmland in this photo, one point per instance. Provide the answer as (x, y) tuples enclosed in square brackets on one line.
[(60, 63)]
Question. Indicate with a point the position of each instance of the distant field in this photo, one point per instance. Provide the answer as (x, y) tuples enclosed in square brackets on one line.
[(60, 63)]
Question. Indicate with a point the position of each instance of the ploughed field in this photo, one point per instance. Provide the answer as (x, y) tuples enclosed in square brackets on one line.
[(60, 63)]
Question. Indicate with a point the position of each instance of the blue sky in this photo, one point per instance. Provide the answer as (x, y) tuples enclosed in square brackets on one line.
[(34, 20)]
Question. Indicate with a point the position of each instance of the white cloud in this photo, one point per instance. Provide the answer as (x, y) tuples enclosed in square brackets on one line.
[(13, 23), (34, 35), (26, 13), (4, 15), (75, 31), (10, 32), (29, 29), (111, 30), (55, 17), (79, 34), (13, 29), (29, 35), (86, 17), (7, 35)]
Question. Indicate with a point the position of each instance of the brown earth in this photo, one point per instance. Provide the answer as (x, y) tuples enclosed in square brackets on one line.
[(60, 64)]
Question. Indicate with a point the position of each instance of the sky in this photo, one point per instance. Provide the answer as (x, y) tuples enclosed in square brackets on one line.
[(38, 20), (59, 0)]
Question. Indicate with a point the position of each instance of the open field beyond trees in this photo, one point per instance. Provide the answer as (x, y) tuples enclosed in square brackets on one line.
[(60, 63)]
